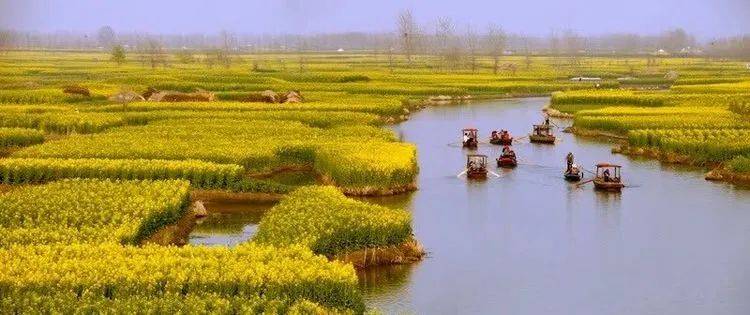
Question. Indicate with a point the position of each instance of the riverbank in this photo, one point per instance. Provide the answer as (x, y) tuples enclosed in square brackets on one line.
[(178, 233), (717, 172), (725, 174), (408, 252)]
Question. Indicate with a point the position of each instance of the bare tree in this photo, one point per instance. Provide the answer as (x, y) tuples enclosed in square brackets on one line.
[(408, 33), (389, 53), (496, 41), (301, 49), (445, 48), (527, 54), (154, 54), (554, 44), (6, 40), (472, 43), (227, 42), (573, 45)]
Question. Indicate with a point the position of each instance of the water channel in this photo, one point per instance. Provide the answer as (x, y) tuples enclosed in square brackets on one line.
[(528, 242)]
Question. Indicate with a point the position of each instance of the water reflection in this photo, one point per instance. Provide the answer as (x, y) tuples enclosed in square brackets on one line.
[(531, 243), (228, 222)]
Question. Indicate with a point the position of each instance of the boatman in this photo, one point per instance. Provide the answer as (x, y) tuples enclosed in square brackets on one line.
[(569, 161)]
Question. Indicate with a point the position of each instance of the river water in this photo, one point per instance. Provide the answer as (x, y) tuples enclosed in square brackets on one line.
[(530, 243)]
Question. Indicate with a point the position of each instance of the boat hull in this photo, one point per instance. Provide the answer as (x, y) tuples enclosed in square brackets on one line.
[(542, 139), (600, 184), (506, 162), (477, 174), (573, 177), (501, 141)]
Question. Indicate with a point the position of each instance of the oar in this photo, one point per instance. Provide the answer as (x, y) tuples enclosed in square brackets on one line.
[(584, 182), (464, 172), (493, 173)]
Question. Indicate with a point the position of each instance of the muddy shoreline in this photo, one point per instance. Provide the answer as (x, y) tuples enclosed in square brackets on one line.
[(408, 252)]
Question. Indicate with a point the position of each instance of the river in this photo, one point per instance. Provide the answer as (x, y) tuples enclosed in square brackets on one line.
[(530, 243)]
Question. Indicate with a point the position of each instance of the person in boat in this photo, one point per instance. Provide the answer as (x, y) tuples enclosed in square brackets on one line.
[(506, 149), (569, 161), (606, 176), (494, 135), (546, 120), (466, 137)]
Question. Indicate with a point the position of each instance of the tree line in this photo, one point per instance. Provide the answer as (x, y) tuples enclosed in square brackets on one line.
[(442, 38)]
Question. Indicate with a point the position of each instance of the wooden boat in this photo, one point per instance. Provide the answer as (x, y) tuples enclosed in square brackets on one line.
[(507, 161), (476, 166), (471, 141), (503, 139), (574, 175), (542, 134), (608, 177)]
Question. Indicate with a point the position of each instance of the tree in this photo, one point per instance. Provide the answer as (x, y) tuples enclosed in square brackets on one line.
[(6, 40), (573, 44), (496, 41), (118, 54), (554, 44), (471, 44), (677, 39), (217, 57), (301, 48), (154, 54), (227, 40), (447, 48), (408, 33), (106, 36)]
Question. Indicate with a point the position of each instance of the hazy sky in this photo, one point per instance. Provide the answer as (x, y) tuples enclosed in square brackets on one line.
[(705, 18)]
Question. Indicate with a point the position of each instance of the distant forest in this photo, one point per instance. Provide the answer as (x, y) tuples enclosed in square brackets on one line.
[(408, 38)]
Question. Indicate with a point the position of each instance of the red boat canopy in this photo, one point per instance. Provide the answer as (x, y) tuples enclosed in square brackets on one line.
[(607, 165)]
